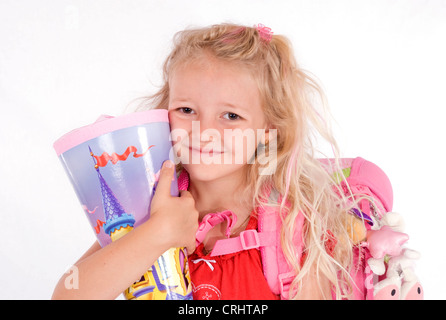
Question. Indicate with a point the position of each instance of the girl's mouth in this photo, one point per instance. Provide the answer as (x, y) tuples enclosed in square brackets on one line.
[(205, 151)]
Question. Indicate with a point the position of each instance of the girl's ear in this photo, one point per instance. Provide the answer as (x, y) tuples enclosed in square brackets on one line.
[(264, 139), (269, 135)]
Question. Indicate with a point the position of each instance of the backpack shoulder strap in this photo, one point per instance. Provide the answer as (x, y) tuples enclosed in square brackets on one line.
[(276, 269), (267, 239)]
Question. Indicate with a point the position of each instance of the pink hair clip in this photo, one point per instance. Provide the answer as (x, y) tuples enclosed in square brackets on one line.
[(265, 33)]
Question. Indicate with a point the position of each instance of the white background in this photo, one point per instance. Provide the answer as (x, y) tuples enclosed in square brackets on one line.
[(63, 63)]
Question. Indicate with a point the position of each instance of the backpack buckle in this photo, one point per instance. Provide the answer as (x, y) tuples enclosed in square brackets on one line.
[(285, 280), (249, 239)]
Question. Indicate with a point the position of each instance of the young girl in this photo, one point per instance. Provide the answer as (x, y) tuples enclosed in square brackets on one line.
[(246, 82)]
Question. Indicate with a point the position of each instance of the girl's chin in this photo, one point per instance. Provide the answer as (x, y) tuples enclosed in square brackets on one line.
[(209, 172)]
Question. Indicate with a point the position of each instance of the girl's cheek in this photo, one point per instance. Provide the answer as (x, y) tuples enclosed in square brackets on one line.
[(179, 133), (241, 149)]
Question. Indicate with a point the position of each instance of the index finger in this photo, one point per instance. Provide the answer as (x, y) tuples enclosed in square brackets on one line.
[(165, 178)]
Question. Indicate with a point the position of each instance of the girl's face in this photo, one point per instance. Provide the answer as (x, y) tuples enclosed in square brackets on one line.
[(214, 111)]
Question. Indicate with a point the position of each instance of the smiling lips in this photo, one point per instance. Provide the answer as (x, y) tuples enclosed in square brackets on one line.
[(205, 151)]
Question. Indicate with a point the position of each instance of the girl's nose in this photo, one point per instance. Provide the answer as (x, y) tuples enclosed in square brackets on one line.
[(205, 130)]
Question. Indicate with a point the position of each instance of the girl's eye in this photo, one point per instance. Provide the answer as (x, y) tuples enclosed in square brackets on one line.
[(232, 116), (185, 110)]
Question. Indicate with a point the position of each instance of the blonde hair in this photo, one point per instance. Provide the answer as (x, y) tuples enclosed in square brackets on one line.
[(288, 97)]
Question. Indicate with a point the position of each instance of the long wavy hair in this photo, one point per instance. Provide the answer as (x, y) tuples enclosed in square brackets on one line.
[(294, 105)]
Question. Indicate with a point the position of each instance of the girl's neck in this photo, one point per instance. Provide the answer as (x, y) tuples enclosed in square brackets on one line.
[(221, 194)]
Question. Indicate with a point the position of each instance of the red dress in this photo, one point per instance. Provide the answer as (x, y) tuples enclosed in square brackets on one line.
[(235, 276)]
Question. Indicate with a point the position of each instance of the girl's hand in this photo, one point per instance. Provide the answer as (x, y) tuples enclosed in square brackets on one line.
[(176, 217)]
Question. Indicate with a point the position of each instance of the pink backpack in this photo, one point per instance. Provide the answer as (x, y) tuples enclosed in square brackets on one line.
[(382, 267)]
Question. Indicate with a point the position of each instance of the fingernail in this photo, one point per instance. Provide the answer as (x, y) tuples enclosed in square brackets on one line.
[(168, 164)]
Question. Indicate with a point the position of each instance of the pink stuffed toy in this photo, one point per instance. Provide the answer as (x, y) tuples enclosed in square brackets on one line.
[(400, 282), (385, 241), (386, 248)]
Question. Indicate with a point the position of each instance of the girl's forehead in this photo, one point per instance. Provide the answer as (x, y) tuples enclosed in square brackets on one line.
[(204, 59), (210, 72)]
